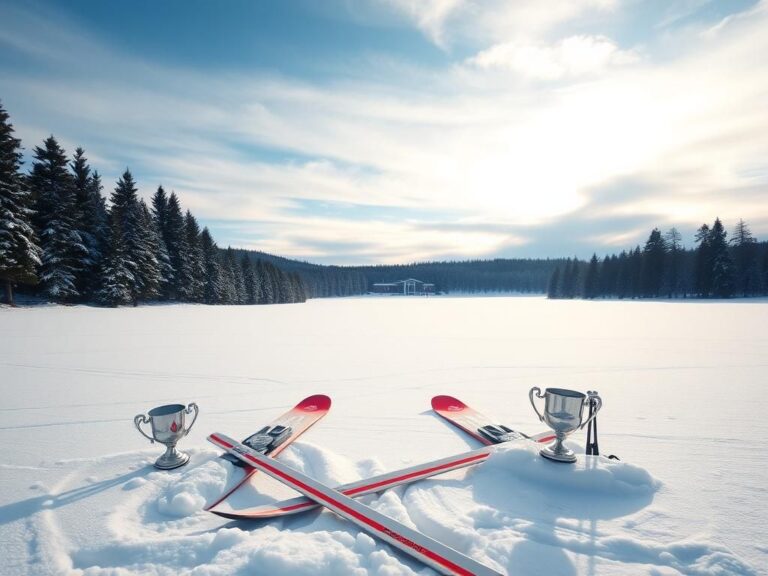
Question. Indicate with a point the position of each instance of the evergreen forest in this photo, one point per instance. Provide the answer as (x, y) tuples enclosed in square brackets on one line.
[(62, 242), (718, 267)]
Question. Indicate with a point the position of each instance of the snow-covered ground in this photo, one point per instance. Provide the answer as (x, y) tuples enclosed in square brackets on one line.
[(686, 409)]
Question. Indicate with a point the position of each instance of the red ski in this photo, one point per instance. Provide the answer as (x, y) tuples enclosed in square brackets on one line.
[(442, 558), (478, 425), (276, 437), (360, 488)]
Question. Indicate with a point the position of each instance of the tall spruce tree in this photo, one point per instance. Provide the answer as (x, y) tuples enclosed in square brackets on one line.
[(236, 272), (176, 242), (194, 291), (722, 265), (92, 221), (228, 281), (213, 290), (592, 280), (554, 284), (654, 255), (746, 275), (117, 280), (137, 252), (673, 241), (19, 250), (250, 282), (160, 218), (64, 252), (267, 292), (703, 266), (156, 244)]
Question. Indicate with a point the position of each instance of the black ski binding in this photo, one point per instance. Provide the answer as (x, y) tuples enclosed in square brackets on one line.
[(264, 441), (498, 434)]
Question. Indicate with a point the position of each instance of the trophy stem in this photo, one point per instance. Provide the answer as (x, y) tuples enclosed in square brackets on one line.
[(557, 452), (172, 458)]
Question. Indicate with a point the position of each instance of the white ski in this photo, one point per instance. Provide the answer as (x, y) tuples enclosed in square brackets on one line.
[(442, 558)]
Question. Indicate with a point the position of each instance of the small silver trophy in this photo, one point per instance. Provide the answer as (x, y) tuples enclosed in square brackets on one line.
[(168, 428), (563, 412)]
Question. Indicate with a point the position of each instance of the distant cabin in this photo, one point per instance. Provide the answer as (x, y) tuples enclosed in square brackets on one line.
[(409, 287)]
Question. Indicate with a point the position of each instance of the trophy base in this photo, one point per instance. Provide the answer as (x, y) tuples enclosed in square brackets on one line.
[(564, 456), (171, 460)]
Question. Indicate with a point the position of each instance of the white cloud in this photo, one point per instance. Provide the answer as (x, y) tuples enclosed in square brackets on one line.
[(571, 57)]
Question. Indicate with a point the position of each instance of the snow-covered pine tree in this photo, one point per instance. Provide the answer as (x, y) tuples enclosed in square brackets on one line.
[(722, 264), (160, 217), (64, 253), (213, 292), (176, 242), (673, 241), (157, 244), (554, 284), (160, 208), (250, 280), (19, 250), (300, 288), (653, 265), (117, 279), (703, 262), (592, 280), (194, 291), (267, 291), (228, 293), (138, 255), (92, 221), (234, 274), (747, 277), (286, 287)]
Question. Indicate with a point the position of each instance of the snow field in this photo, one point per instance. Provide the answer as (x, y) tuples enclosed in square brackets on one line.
[(682, 385)]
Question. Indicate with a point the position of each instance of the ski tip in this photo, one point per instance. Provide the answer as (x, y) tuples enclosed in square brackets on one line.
[(315, 403), (447, 404)]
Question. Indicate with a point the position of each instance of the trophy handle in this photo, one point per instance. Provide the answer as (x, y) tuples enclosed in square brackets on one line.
[(599, 404), (142, 419), (538, 395), (192, 406)]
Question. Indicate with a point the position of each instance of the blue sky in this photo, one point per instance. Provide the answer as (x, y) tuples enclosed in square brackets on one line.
[(379, 131)]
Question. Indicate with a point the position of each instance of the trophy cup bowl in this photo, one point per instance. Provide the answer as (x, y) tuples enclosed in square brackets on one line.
[(563, 412), (167, 424)]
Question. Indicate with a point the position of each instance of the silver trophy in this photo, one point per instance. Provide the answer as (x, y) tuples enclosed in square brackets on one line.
[(563, 412), (168, 428)]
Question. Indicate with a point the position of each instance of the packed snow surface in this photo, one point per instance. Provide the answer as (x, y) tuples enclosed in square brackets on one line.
[(685, 404)]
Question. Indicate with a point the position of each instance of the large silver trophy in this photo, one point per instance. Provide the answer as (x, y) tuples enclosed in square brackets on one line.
[(168, 428), (563, 412)]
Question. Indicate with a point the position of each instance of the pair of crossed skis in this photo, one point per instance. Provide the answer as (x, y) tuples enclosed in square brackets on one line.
[(442, 558)]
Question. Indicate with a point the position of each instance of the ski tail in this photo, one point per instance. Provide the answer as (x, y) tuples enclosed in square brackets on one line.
[(284, 430), (444, 559)]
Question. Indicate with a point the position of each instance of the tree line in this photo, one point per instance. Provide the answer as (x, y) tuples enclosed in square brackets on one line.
[(469, 276), (718, 267), (61, 241)]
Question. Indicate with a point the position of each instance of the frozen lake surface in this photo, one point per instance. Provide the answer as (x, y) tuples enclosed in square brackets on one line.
[(685, 407)]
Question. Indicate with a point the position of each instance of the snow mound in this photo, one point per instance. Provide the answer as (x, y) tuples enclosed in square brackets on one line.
[(533, 516), (589, 475), (189, 494)]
